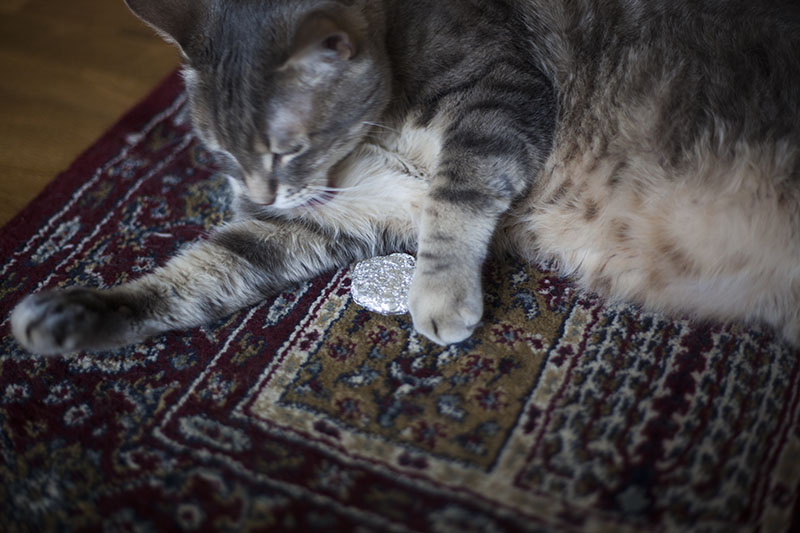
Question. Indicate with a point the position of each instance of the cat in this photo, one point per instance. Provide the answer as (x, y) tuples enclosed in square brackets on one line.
[(650, 149)]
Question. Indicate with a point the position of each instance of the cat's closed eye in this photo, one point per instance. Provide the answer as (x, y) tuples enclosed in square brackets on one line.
[(292, 150), (284, 156)]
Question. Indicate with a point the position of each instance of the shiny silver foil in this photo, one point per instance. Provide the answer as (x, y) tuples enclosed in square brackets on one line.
[(381, 284)]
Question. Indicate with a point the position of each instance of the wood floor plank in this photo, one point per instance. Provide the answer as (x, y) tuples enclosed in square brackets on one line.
[(68, 70)]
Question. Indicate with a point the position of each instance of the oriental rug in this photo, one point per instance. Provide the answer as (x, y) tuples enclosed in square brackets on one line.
[(309, 413)]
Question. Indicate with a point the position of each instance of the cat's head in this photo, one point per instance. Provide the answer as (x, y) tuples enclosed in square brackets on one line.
[(283, 87)]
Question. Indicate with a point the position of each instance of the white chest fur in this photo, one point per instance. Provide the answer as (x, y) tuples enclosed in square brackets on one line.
[(384, 181)]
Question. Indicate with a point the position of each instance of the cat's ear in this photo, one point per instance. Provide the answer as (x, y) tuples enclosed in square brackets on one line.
[(322, 40), (178, 21)]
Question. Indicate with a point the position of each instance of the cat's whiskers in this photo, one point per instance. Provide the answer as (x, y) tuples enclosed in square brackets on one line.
[(321, 214), (323, 188), (377, 125)]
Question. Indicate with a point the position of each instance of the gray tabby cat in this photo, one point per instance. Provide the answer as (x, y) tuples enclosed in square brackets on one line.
[(651, 148)]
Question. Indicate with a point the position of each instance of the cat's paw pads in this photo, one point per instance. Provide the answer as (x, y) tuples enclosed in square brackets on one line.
[(445, 312), (55, 322)]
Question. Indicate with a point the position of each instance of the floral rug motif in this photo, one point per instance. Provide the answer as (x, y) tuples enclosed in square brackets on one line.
[(308, 412)]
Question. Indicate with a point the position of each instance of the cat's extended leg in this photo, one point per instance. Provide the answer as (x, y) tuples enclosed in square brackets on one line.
[(237, 266), (489, 158)]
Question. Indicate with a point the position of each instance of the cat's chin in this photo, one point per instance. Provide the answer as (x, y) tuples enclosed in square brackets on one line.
[(300, 204), (320, 200), (307, 198)]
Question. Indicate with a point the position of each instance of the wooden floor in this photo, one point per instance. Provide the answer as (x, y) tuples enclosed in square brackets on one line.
[(68, 70)]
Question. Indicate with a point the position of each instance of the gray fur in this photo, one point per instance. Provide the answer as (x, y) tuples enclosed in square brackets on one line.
[(651, 148)]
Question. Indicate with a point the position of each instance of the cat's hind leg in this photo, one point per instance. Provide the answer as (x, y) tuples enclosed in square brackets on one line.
[(237, 266), (195, 287), (54, 322)]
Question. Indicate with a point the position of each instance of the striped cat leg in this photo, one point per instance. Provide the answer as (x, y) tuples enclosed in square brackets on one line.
[(237, 266), (462, 209), (445, 299), (499, 134)]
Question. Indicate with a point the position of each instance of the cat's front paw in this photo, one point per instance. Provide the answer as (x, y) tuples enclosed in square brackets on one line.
[(445, 311), (56, 322)]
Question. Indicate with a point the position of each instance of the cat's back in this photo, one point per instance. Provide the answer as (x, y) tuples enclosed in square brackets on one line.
[(714, 59), (703, 94), (675, 177)]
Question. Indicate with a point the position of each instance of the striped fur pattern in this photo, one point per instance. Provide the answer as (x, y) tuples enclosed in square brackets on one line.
[(651, 149)]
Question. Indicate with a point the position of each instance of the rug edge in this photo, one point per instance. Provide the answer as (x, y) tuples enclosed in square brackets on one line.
[(27, 219)]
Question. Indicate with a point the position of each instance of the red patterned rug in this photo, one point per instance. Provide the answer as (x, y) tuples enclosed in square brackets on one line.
[(308, 413)]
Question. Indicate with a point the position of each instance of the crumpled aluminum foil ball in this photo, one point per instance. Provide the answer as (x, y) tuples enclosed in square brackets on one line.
[(381, 284)]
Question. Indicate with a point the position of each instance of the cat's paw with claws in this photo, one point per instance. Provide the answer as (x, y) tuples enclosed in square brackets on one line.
[(55, 322), (445, 311)]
